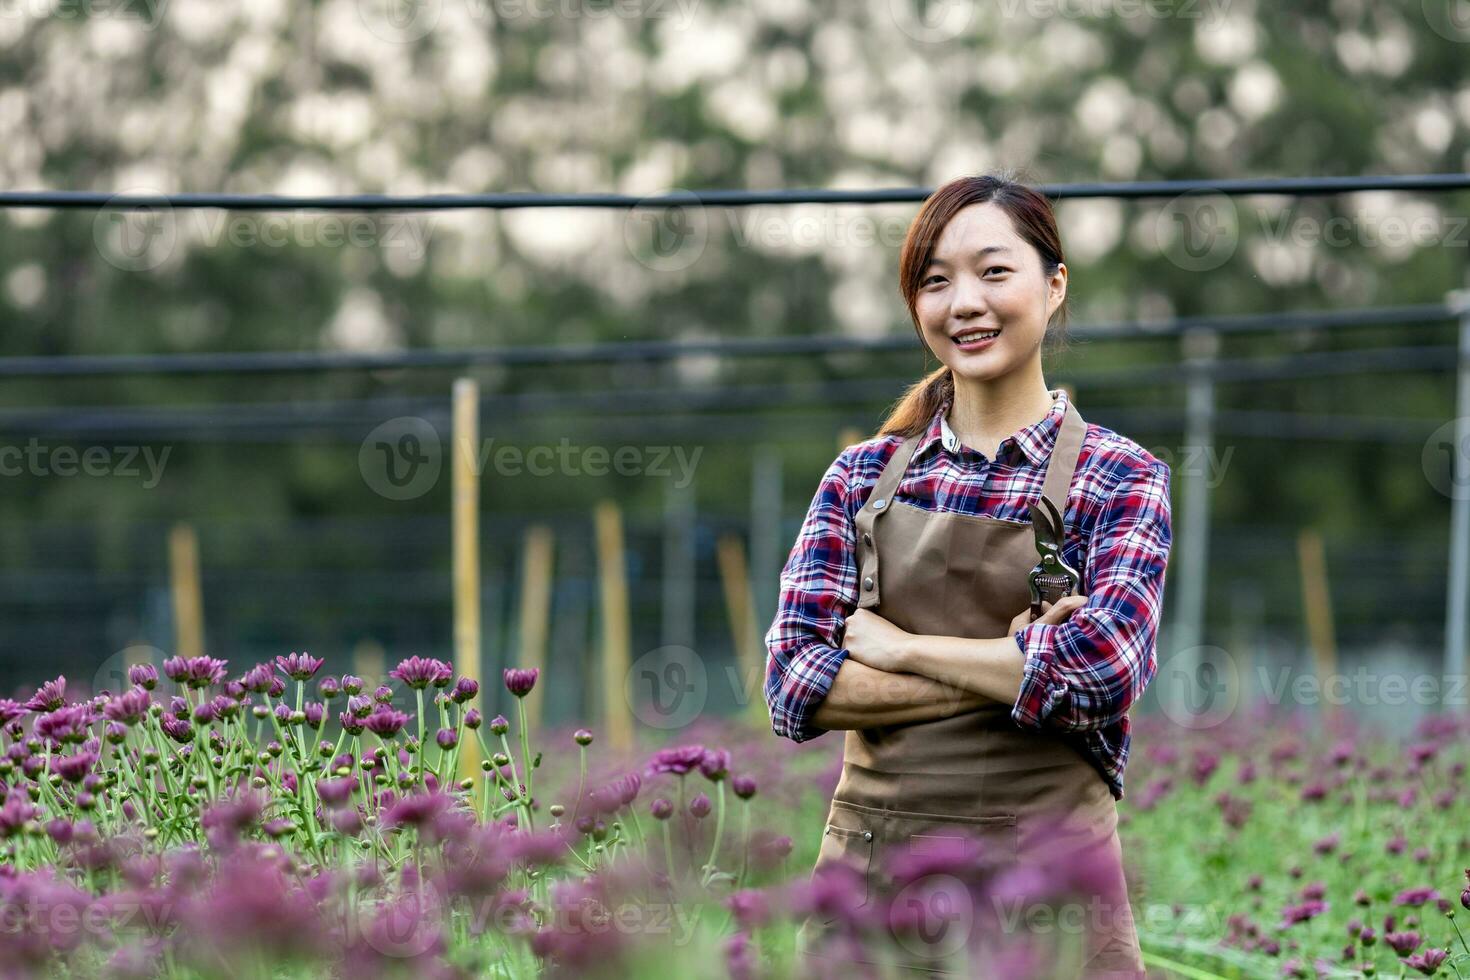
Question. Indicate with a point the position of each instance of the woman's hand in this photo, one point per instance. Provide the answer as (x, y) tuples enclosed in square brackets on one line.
[(870, 639), (1052, 613)]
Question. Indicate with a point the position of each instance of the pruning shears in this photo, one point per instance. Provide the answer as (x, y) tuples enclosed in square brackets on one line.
[(1052, 578)]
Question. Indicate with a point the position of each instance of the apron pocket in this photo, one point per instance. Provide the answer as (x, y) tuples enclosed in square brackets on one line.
[(848, 839), (914, 834)]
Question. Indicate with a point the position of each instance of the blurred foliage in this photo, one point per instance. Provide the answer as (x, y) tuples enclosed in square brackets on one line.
[(338, 97)]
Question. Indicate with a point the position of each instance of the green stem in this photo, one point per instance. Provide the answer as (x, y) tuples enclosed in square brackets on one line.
[(719, 831), (526, 759)]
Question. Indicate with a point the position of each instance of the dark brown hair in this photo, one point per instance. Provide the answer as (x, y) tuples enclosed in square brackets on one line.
[(1031, 213)]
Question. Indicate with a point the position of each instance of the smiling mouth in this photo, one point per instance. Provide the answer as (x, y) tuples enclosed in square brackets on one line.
[(974, 336)]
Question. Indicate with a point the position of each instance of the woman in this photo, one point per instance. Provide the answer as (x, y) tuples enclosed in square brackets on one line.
[(905, 614)]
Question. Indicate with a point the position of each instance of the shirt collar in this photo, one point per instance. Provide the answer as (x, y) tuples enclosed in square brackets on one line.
[(1034, 441)]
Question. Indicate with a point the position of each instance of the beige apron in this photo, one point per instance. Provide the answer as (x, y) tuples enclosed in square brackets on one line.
[(976, 773)]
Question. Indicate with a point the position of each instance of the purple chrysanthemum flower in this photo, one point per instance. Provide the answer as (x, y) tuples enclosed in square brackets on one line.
[(519, 682), (329, 688), (385, 722), (1403, 943), (128, 707), (10, 711), (177, 729), (1415, 897), (73, 768), (417, 809), (679, 759), (49, 696), (144, 676), (661, 809), (465, 689), (195, 672), (224, 707), (14, 815), (351, 723), (715, 765), (472, 719), (1307, 910), (1428, 962), (446, 738), (419, 672), (299, 666), (744, 786), (352, 684), (64, 725), (258, 678), (336, 792)]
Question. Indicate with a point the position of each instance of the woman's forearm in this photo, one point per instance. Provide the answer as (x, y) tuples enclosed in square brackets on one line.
[(865, 697), (993, 668)]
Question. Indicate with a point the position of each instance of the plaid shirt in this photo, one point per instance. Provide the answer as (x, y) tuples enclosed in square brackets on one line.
[(1080, 677)]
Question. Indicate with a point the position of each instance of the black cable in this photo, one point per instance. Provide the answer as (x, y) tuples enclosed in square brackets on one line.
[(251, 362), (1295, 186), (352, 418)]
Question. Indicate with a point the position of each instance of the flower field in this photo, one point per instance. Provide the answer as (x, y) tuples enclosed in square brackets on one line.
[(280, 822)]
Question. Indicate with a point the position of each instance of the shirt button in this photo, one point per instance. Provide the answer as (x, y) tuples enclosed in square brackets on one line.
[(868, 583)]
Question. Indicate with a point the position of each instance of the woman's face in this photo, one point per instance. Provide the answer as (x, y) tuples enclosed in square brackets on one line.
[(983, 277)]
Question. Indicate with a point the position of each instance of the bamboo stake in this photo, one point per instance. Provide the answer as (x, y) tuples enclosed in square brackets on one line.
[(735, 579), (188, 601), (536, 575), (466, 554), (616, 641), (1318, 604), (370, 662)]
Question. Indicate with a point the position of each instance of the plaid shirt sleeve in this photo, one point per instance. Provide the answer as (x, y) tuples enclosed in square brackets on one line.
[(1084, 674), (818, 592)]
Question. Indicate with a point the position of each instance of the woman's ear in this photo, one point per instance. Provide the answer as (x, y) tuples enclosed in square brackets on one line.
[(1056, 290)]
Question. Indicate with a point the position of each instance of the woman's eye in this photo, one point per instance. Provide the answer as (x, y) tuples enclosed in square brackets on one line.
[(996, 268), (932, 278)]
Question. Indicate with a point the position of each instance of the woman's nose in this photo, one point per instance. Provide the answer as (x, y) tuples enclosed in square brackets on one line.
[(968, 297)]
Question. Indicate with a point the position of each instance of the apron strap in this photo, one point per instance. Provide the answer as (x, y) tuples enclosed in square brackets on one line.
[(879, 502), (1061, 465)]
